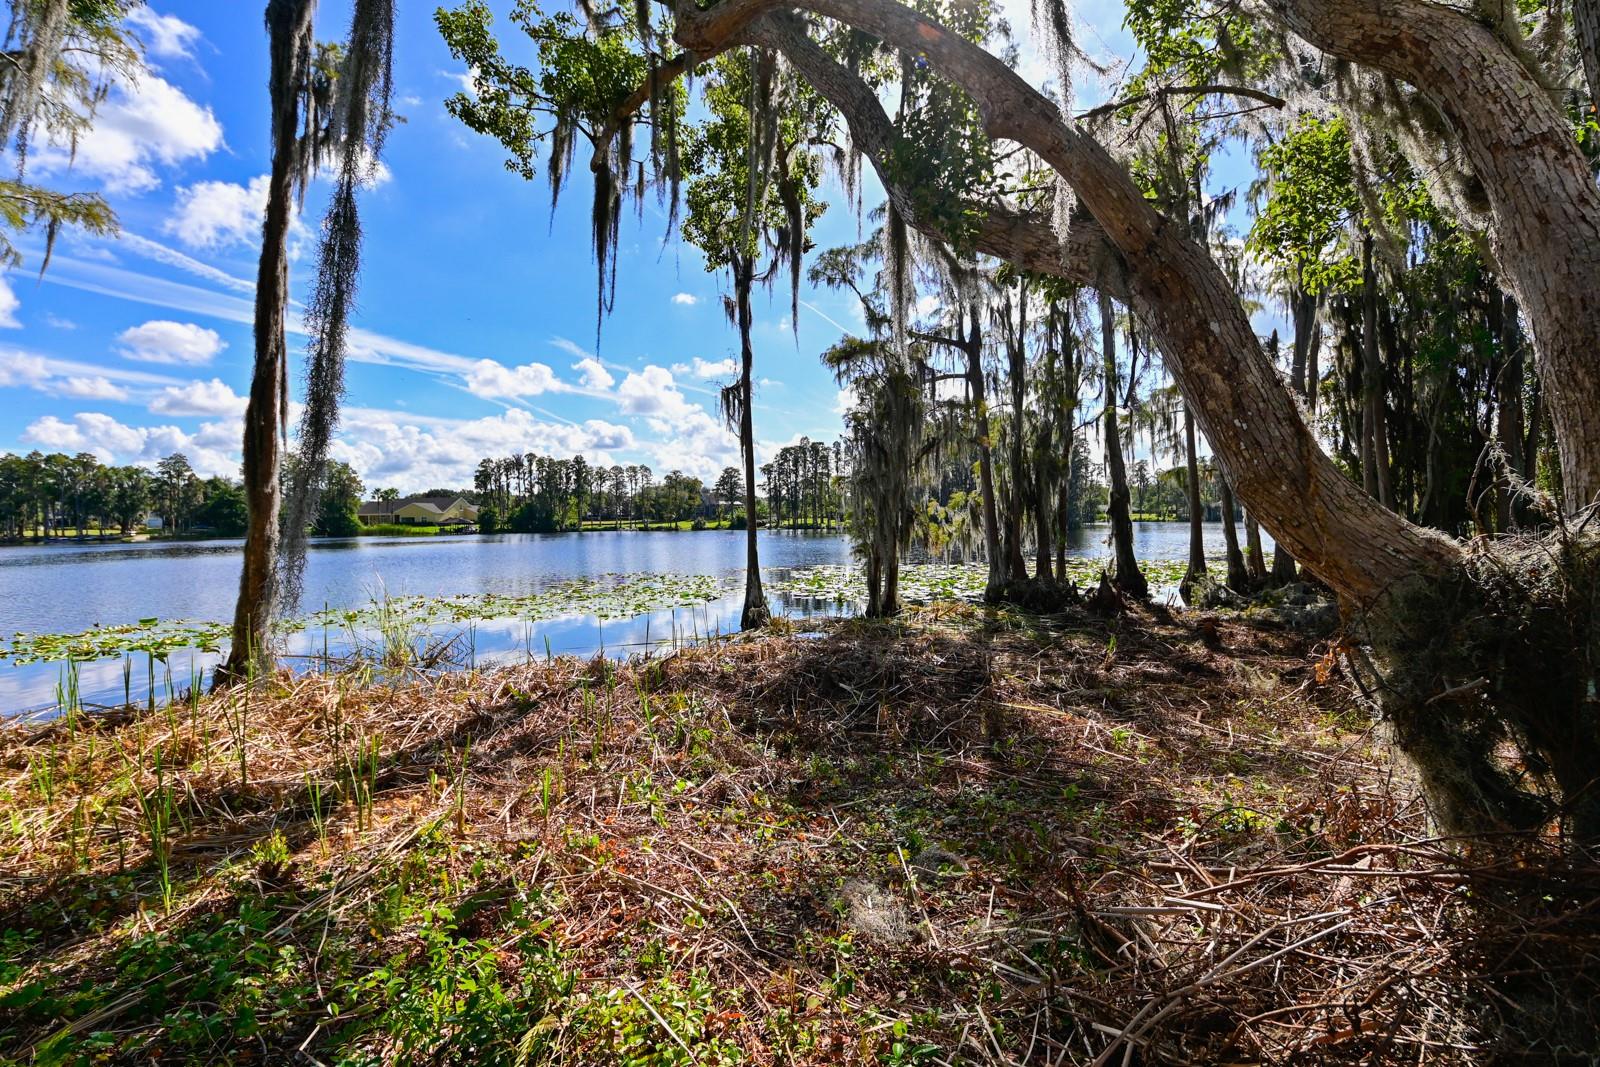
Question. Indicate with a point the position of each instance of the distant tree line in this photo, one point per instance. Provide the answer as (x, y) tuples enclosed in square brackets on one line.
[(56, 495), (530, 493)]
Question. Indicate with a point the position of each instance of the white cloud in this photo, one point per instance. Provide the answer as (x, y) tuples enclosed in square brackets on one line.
[(21, 369), (90, 387), (219, 214), (165, 341), (211, 451), (8, 306), (173, 258), (846, 401), (212, 398), (722, 368), (695, 443), (148, 123), (490, 380), (685, 299), (166, 36), (653, 392), (59, 323), (593, 374), (416, 451)]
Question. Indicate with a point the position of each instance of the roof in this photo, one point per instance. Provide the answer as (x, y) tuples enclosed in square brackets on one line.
[(440, 504)]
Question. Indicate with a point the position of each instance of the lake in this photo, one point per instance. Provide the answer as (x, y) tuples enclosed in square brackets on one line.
[(68, 588)]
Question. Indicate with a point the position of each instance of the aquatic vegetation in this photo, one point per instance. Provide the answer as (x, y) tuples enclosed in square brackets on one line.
[(605, 597), (922, 583)]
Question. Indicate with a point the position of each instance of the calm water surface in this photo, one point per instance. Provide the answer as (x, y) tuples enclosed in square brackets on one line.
[(67, 588)]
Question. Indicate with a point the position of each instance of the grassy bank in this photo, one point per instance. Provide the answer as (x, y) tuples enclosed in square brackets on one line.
[(965, 837)]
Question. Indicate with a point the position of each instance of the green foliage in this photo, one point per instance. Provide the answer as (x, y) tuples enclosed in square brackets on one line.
[(1310, 206), (1194, 43), (224, 509), (579, 79), (726, 216), (339, 501), (941, 154)]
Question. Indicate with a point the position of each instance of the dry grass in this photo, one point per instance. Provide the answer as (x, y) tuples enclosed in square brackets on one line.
[(964, 837)]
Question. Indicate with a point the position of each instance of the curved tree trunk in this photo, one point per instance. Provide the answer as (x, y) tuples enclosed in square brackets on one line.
[(1125, 572), (1544, 206), (288, 30), (1177, 290), (1380, 565)]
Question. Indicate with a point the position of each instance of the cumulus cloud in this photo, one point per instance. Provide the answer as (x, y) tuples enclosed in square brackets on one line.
[(722, 368), (165, 341), (653, 392), (685, 299), (592, 374), (401, 448), (8, 306), (695, 443), (145, 124), (165, 36), (90, 387), (218, 214), (212, 398), (211, 451), (21, 369), (492, 380)]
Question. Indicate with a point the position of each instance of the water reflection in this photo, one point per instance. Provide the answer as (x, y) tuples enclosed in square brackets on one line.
[(67, 588)]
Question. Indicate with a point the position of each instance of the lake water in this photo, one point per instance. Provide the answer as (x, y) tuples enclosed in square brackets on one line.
[(67, 588)]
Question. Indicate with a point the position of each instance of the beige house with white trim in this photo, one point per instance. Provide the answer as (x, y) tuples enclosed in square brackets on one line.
[(419, 511)]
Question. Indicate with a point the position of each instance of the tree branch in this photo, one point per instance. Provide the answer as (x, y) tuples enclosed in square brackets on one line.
[(1187, 90)]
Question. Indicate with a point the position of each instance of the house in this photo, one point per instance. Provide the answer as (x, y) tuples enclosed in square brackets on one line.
[(419, 511)]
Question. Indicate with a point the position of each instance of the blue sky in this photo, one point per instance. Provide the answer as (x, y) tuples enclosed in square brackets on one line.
[(476, 325)]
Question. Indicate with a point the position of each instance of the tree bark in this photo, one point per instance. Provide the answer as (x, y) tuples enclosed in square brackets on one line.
[(973, 350), (1544, 206), (267, 411), (1508, 415), (1197, 530), (1016, 335), (1586, 23), (1238, 574), (1374, 403), (756, 613), (1255, 560), (1125, 572)]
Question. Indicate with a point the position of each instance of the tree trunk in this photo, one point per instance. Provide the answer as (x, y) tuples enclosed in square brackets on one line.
[(1125, 572), (1387, 570), (756, 614), (1041, 511), (1255, 560), (972, 349), (1375, 425), (1508, 416), (1016, 357), (1543, 204), (1197, 530), (1238, 575), (1586, 22), (267, 411)]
